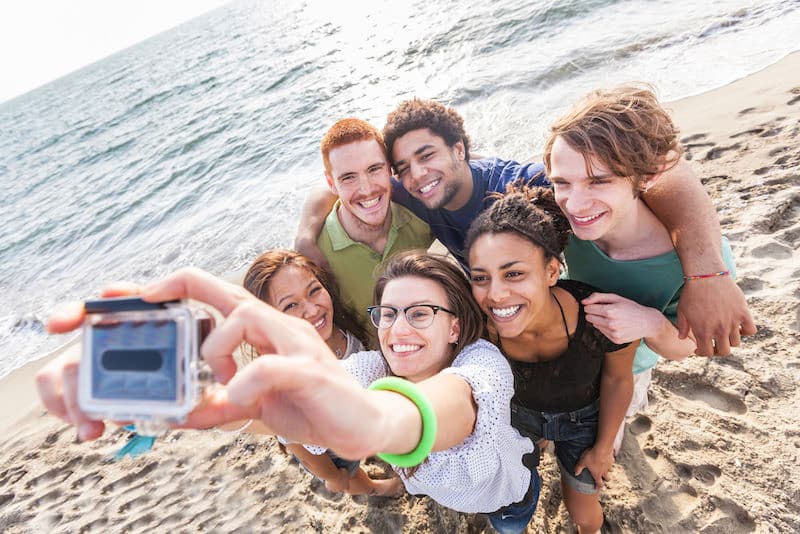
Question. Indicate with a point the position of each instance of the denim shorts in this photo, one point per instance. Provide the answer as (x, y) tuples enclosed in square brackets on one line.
[(514, 518), (571, 432), (350, 465)]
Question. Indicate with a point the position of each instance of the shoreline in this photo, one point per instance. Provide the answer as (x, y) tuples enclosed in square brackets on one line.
[(715, 451)]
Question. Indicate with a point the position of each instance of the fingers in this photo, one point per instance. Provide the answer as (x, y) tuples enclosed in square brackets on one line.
[(683, 325), (199, 285), (217, 409), (49, 382), (599, 321), (66, 318), (747, 326), (264, 375), (705, 343), (261, 326), (600, 298), (721, 343), (69, 316), (87, 428), (120, 289)]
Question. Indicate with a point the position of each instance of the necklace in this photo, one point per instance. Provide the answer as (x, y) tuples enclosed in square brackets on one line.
[(339, 351)]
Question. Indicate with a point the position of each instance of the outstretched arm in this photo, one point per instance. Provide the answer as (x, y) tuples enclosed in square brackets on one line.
[(715, 310), (316, 207), (298, 390)]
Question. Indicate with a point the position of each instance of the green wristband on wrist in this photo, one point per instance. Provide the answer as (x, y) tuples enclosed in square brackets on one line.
[(415, 395)]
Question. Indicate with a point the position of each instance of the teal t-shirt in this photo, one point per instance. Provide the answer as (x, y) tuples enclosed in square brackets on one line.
[(654, 282)]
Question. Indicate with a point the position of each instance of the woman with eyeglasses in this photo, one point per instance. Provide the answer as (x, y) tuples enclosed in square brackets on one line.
[(429, 328), (434, 401)]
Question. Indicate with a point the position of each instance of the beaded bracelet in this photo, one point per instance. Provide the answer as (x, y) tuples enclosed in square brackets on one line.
[(701, 276), (415, 395)]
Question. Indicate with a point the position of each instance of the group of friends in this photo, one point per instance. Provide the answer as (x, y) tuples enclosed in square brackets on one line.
[(566, 281)]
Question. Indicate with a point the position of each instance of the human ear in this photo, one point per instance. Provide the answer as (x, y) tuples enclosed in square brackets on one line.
[(459, 150), (552, 271), (455, 331), (331, 184)]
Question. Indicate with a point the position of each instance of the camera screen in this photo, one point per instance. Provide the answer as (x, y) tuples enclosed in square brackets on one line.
[(135, 360)]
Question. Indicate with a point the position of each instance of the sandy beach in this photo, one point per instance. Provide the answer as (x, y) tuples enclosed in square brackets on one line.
[(716, 452)]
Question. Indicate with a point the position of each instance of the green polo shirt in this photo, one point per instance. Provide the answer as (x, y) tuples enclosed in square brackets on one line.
[(356, 266)]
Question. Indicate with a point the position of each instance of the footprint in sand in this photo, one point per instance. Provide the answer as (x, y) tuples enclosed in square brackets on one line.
[(695, 137), (705, 473), (667, 508), (754, 131), (750, 284), (711, 396), (640, 425), (783, 215), (689, 149), (736, 521), (773, 250), (718, 151)]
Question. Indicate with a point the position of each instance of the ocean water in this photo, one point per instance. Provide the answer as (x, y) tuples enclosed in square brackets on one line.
[(197, 146)]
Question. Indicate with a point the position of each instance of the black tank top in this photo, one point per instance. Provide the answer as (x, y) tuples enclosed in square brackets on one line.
[(572, 379)]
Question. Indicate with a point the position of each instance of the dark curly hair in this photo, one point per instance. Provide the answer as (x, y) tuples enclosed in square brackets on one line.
[(418, 114), (529, 212)]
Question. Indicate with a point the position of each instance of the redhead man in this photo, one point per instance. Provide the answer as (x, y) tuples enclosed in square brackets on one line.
[(364, 227)]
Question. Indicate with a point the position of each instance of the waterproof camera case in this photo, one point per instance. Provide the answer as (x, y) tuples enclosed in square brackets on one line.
[(141, 361)]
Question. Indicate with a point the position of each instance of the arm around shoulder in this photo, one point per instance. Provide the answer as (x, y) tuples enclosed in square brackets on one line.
[(315, 210), (715, 310)]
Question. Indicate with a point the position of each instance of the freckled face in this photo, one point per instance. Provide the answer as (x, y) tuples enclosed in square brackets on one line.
[(360, 175)]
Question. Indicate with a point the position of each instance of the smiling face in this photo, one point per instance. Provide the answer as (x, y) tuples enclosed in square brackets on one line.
[(417, 354), (597, 203), (361, 177), (511, 280), (432, 172), (296, 291)]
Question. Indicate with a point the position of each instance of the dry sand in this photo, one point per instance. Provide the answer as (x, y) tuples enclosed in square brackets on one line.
[(716, 452)]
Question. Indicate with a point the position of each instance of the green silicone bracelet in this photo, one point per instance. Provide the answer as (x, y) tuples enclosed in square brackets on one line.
[(412, 393)]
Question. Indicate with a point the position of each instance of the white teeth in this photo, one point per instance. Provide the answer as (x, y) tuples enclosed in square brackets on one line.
[(428, 187), (586, 219), (405, 348), (366, 204), (319, 323), (505, 312)]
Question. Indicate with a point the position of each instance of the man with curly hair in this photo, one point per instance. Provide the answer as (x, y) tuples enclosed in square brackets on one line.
[(436, 179)]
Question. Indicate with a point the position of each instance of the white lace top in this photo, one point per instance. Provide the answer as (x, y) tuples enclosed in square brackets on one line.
[(484, 472)]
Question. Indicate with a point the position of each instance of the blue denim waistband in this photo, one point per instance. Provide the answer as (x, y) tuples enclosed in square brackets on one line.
[(574, 416)]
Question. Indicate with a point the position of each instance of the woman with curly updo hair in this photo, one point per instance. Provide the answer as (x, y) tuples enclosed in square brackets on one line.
[(571, 383)]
